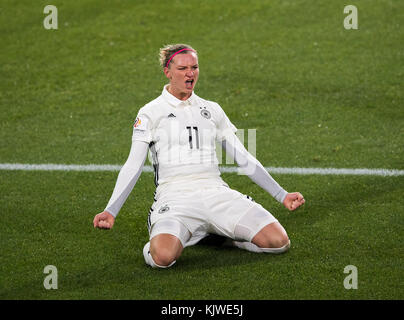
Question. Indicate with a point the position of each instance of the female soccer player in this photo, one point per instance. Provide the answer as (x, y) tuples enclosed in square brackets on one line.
[(191, 200)]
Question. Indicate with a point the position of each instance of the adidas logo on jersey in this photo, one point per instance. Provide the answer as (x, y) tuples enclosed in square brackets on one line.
[(171, 115)]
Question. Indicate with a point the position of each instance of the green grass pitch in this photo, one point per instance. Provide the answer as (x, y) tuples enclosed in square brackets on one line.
[(317, 94)]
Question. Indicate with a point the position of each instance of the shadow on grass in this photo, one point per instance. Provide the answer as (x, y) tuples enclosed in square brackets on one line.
[(212, 257)]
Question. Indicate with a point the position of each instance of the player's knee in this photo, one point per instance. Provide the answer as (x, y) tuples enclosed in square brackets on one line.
[(281, 241), (274, 241), (272, 236), (163, 257)]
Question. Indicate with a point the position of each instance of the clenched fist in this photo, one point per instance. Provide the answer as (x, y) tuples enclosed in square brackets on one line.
[(293, 200), (104, 220)]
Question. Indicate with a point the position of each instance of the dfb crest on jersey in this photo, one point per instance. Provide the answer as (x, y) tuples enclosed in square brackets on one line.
[(205, 113), (164, 209)]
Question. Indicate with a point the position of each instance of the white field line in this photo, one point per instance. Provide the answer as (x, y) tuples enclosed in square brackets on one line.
[(227, 169)]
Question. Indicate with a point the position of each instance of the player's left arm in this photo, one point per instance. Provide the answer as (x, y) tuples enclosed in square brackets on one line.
[(251, 167)]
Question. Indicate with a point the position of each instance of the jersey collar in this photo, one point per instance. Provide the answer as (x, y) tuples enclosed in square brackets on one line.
[(175, 101)]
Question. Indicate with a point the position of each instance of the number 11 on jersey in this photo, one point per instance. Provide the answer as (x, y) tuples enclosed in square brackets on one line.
[(191, 131)]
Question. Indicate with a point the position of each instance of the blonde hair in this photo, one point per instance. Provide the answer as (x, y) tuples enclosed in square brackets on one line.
[(169, 50)]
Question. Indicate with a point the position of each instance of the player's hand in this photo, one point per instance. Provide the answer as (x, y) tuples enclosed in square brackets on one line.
[(104, 220), (293, 200)]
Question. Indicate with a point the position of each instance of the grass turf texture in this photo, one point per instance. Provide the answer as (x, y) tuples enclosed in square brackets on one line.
[(45, 222), (318, 95)]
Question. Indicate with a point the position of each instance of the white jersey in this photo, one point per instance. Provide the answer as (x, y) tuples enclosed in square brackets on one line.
[(182, 138)]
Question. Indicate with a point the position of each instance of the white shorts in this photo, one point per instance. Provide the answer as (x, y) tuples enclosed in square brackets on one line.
[(191, 215)]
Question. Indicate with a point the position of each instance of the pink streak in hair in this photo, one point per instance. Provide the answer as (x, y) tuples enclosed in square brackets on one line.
[(185, 49)]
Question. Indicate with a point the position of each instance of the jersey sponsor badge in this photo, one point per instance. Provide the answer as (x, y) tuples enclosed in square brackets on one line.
[(140, 123)]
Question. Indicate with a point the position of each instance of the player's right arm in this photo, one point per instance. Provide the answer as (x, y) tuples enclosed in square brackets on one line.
[(104, 220), (127, 178)]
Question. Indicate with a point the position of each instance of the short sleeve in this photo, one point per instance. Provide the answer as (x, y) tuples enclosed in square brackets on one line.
[(142, 129), (224, 127)]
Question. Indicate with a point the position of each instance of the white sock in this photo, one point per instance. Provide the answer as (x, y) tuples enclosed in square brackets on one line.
[(149, 259), (249, 246)]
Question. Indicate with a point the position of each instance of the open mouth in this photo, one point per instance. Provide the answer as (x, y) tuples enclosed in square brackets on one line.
[(189, 83)]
